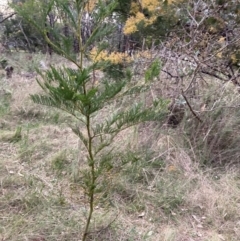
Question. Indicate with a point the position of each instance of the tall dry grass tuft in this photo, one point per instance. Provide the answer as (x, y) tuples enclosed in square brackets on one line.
[(216, 139), (199, 203)]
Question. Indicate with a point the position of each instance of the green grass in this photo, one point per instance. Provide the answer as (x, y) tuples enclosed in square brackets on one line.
[(5, 100)]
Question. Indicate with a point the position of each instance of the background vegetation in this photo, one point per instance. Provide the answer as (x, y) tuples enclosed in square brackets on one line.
[(173, 177)]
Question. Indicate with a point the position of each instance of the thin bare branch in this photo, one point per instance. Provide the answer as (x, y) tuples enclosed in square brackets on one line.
[(190, 108), (9, 16)]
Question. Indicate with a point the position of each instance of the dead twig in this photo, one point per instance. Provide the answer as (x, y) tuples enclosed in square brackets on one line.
[(190, 108), (7, 17)]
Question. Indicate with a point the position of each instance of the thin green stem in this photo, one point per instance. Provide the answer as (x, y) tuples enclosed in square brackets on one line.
[(78, 34), (93, 178)]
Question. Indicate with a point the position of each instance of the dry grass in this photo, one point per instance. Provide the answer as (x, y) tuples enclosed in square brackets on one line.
[(162, 194)]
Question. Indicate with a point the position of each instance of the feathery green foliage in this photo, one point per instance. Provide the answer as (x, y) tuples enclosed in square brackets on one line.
[(74, 91)]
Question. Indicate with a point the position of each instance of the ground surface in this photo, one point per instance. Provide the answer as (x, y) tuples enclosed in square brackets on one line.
[(163, 196)]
